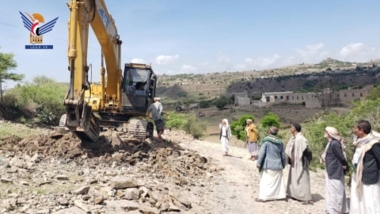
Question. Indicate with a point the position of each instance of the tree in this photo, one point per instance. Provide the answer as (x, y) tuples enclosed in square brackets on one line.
[(238, 126), (7, 63), (221, 103), (43, 95), (374, 93), (270, 120)]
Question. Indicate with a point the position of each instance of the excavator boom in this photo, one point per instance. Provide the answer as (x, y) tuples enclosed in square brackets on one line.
[(80, 118), (119, 97)]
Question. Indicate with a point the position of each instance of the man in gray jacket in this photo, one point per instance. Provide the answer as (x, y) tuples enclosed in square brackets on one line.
[(157, 112), (271, 162)]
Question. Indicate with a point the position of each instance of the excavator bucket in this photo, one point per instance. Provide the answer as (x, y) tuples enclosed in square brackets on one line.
[(61, 129), (82, 122)]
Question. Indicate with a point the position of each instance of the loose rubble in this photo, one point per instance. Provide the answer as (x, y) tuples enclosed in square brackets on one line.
[(48, 174)]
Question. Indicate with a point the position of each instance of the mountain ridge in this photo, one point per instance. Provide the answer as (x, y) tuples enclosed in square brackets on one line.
[(197, 87)]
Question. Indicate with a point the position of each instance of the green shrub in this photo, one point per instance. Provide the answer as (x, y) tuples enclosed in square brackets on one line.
[(270, 120), (222, 102), (176, 121), (344, 123), (195, 127), (44, 96), (205, 103), (187, 122), (238, 126)]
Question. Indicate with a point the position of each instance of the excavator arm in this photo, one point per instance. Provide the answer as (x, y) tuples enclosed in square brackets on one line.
[(79, 116)]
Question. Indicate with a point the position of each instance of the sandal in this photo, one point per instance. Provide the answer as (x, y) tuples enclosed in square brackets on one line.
[(308, 203), (259, 200)]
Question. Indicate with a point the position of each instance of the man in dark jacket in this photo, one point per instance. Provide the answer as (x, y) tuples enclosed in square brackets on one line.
[(365, 182), (336, 165)]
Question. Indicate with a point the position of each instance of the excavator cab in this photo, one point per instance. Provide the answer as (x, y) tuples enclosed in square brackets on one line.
[(139, 88)]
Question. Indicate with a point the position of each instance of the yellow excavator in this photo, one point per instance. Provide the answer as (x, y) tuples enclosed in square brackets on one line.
[(122, 98)]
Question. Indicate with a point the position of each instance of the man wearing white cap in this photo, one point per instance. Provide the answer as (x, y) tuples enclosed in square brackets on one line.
[(157, 111)]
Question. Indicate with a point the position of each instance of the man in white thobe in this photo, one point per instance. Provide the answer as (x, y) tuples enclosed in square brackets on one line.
[(298, 153), (365, 181)]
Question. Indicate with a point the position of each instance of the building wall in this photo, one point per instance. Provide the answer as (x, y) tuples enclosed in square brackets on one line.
[(312, 100), (302, 97), (313, 103), (287, 96), (275, 96), (242, 101), (349, 95)]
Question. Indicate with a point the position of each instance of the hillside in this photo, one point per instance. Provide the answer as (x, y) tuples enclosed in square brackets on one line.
[(309, 82), (294, 78)]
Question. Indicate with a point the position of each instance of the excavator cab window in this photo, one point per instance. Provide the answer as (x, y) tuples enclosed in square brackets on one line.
[(137, 78)]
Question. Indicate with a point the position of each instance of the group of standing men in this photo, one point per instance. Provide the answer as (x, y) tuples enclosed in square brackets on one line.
[(272, 157)]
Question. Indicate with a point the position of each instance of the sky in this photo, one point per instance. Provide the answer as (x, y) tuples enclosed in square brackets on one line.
[(194, 36)]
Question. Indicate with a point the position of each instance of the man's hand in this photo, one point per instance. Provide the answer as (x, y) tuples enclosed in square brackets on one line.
[(258, 167), (344, 167)]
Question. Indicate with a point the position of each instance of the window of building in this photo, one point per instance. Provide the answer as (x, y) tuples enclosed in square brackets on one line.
[(353, 95), (361, 94), (282, 97)]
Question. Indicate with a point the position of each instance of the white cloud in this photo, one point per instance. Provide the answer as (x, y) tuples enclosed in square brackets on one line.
[(352, 49), (357, 52), (169, 72), (223, 58), (259, 62), (310, 49), (289, 60), (312, 53), (188, 69), (137, 60), (204, 63), (164, 60)]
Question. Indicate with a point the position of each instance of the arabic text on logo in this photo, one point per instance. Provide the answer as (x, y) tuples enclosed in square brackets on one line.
[(36, 32)]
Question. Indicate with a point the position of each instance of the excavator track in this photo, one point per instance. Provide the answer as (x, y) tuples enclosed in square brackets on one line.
[(140, 129)]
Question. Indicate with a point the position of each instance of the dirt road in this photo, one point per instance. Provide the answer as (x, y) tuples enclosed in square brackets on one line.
[(238, 185)]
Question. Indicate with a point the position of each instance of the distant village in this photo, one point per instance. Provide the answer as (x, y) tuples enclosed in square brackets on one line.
[(326, 98)]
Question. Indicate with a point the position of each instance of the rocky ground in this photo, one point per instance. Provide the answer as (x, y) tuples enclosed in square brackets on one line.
[(43, 174)]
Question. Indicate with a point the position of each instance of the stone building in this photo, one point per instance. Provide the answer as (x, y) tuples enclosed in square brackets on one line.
[(276, 96), (317, 100), (242, 99), (349, 95)]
